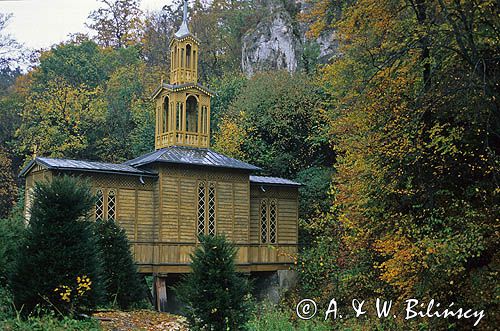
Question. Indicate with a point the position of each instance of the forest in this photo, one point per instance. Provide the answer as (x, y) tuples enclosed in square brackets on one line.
[(395, 134)]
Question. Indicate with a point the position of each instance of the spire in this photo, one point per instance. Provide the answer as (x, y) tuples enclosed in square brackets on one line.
[(183, 30)]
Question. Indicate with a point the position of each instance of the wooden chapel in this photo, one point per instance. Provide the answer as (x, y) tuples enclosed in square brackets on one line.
[(165, 198)]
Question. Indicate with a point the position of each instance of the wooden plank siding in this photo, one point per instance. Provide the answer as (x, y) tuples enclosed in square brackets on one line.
[(160, 216)]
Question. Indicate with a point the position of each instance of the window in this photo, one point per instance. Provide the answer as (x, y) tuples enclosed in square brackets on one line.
[(201, 208), (99, 206), (188, 55), (204, 119), (191, 114), (179, 116), (263, 221), (105, 207), (165, 115), (111, 205), (211, 209), (207, 211), (268, 221)]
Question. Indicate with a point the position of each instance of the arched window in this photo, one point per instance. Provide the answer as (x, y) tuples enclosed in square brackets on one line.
[(182, 57), (188, 56), (99, 206), (165, 115), (191, 114)]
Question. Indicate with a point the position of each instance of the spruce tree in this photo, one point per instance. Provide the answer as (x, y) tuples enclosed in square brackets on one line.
[(123, 284), (59, 265), (214, 294)]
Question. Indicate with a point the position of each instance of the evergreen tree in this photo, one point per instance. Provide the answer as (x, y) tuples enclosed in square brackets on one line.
[(214, 294), (59, 265), (123, 285)]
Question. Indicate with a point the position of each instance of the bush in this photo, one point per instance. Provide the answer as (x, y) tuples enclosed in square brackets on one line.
[(49, 323), (123, 284), (11, 234), (273, 318), (216, 297), (58, 266)]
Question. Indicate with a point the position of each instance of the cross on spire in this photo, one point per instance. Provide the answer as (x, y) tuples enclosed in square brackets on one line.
[(185, 15), (183, 30)]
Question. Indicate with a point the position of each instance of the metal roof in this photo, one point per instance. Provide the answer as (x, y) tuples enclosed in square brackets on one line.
[(192, 156), (178, 87), (273, 181), (90, 166)]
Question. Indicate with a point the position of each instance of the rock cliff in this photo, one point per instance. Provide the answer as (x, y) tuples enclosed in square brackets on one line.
[(279, 42)]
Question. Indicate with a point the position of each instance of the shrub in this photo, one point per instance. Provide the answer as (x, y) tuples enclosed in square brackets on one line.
[(58, 266), (275, 319), (216, 297), (11, 234), (123, 284)]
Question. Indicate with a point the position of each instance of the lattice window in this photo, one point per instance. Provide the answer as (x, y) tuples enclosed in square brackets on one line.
[(111, 205), (273, 220), (99, 206), (263, 221), (211, 209), (201, 207)]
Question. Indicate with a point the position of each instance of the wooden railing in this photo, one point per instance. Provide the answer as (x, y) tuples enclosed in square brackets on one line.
[(183, 138)]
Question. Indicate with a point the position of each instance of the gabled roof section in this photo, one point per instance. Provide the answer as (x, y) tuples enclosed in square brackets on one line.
[(180, 87), (191, 156), (86, 166), (273, 181)]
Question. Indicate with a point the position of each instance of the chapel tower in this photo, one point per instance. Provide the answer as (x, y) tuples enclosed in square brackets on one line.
[(183, 105)]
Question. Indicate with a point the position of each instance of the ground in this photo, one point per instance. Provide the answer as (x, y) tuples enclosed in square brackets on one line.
[(140, 320)]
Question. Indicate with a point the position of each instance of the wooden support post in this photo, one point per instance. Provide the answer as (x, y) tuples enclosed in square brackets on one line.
[(160, 291)]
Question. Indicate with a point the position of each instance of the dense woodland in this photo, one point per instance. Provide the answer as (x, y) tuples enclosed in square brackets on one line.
[(396, 138)]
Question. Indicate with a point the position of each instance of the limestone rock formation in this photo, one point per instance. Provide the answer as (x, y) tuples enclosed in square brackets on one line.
[(278, 41)]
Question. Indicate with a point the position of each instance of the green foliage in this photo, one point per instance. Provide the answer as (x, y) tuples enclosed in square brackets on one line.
[(58, 265), (277, 123), (117, 23), (8, 188), (415, 122), (11, 236), (227, 89), (76, 64), (275, 319), (123, 283), (314, 194), (49, 323), (216, 297)]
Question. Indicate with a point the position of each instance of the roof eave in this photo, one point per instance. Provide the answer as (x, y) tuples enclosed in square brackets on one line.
[(140, 164), (114, 172)]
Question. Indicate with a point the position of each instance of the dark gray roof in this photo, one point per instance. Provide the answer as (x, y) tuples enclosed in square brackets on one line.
[(90, 166), (272, 181), (192, 156)]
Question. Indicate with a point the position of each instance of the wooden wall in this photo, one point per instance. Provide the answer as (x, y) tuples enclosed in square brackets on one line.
[(287, 227), (160, 216)]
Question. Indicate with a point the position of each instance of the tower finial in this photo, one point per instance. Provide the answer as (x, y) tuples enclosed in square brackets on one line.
[(183, 30), (185, 15)]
